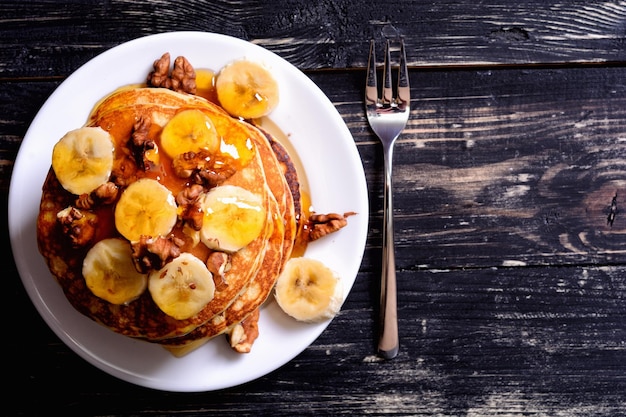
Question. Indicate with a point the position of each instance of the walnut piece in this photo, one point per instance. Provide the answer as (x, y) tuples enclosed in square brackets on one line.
[(152, 253), (160, 76), (185, 164), (79, 226), (201, 168), (243, 334), (182, 78), (106, 193), (103, 194), (140, 143), (219, 264), (124, 171), (191, 206), (320, 225), (212, 177)]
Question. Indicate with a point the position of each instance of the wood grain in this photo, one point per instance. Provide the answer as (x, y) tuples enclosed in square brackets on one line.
[(492, 171), (510, 206), (55, 40), (476, 342)]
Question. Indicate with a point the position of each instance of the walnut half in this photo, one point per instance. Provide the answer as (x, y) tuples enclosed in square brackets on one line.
[(182, 78), (320, 225)]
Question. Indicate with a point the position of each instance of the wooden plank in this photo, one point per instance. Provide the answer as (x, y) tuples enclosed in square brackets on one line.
[(512, 284), (19, 103), (54, 40), (508, 167), (494, 341)]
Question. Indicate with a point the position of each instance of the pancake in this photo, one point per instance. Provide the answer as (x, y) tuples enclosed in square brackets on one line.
[(253, 296), (253, 269), (283, 182)]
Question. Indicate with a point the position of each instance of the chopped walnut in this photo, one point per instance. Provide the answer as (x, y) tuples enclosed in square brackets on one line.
[(242, 335), (106, 193), (79, 226), (186, 164), (191, 206), (85, 201), (124, 172), (236, 335), (152, 253), (201, 169), (213, 177), (182, 78), (140, 143), (103, 194), (219, 264), (189, 195), (320, 225)]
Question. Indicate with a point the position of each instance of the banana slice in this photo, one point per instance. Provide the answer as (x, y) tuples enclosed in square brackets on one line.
[(146, 208), (189, 131), (110, 274), (246, 89), (83, 159), (182, 287), (308, 290), (233, 217)]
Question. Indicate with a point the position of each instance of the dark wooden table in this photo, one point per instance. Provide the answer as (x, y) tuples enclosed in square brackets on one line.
[(510, 207)]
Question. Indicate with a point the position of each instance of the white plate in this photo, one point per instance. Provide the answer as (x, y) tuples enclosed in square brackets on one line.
[(336, 181)]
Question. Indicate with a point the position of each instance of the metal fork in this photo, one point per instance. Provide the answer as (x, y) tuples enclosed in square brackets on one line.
[(387, 116)]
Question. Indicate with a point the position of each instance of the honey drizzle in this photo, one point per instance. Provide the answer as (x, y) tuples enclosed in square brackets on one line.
[(281, 137), (162, 170)]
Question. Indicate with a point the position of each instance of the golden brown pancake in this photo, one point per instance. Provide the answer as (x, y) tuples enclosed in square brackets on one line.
[(253, 296), (253, 270), (278, 166)]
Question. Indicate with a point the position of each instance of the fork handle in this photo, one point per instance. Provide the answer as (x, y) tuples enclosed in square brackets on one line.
[(388, 342)]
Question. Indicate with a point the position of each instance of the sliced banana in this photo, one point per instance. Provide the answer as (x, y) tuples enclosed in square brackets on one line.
[(189, 131), (233, 217), (183, 287), (110, 274), (83, 159), (308, 290), (145, 208), (246, 89)]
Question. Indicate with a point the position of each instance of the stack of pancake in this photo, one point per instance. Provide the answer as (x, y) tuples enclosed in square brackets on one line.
[(252, 270)]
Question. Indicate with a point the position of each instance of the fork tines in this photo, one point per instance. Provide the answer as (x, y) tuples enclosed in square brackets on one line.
[(403, 90)]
